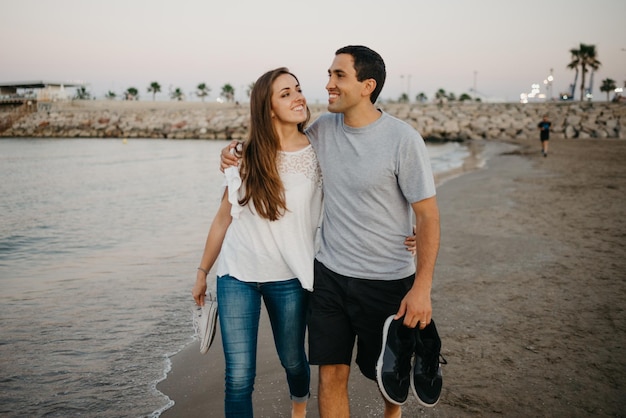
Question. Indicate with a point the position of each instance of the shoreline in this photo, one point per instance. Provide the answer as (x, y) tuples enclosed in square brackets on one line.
[(528, 296), (182, 366)]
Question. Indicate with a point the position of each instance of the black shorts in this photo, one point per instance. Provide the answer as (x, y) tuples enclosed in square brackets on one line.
[(344, 308)]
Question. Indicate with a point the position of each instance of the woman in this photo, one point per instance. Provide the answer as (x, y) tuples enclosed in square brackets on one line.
[(267, 247)]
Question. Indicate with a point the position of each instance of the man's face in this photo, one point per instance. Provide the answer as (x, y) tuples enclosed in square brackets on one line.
[(344, 90)]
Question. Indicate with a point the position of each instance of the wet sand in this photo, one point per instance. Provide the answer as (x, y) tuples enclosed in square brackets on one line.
[(529, 297)]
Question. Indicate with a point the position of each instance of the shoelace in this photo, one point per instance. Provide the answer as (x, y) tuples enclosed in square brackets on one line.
[(431, 362), (404, 363)]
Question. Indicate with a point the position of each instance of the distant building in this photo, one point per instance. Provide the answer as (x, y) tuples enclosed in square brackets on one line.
[(35, 91)]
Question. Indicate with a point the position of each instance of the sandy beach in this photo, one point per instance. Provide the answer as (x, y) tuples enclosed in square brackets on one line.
[(529, 296)]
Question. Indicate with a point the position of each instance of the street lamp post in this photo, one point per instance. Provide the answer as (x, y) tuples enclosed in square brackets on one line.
[(408, 88), (548, 83), (408, 85), (473, 88)]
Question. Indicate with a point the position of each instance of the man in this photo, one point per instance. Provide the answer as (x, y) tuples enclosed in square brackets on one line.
[(377, 174), (544, 134)]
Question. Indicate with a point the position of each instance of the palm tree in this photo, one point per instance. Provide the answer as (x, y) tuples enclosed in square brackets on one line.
[(421, 97), (177, 94), (203, 91), (585, 57), (440, 95), (404, 98), (154, 88), (82, 94), (228, 92), (131, 94), (110, 95), (608, 85)]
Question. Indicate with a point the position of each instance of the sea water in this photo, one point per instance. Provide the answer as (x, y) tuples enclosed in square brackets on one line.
[(99, 244)]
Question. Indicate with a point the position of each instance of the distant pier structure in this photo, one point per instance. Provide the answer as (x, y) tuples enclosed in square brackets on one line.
[(36, 93), (21, 98)]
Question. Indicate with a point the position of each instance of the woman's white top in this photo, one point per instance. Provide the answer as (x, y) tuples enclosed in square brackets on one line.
[(258, 250)]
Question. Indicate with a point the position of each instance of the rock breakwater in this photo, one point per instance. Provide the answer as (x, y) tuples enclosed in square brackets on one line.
[(193, 120)]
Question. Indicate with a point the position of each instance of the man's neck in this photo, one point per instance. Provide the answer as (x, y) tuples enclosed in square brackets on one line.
[(361, 116)]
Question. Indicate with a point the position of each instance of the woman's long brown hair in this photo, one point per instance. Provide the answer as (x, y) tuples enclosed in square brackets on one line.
[(259, 168)]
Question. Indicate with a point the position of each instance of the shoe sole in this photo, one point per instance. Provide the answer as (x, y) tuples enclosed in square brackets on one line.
[(379, 364)]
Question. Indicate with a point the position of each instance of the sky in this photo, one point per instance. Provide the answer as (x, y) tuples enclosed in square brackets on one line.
[(499, 48)]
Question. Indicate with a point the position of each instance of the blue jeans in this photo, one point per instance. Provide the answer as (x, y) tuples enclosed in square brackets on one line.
[(239, 312)]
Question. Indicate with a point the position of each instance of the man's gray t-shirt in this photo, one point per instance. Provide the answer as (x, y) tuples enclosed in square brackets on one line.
[(371, 176)]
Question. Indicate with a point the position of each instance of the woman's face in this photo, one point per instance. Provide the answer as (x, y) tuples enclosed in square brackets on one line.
[(288, 102)]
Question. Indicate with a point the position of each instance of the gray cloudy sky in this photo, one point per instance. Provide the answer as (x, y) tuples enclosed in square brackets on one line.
[(504, 46)]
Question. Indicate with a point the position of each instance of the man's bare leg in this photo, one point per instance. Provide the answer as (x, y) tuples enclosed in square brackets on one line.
[(392, 410), (333, 391), (298, 409)]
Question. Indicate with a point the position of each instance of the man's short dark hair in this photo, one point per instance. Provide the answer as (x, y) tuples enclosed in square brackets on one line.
[(368, 64)]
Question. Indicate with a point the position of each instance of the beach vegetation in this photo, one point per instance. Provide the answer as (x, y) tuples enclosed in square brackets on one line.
[(608, 85), (421, 97), (203, 91), (154, 88), (82, 94), (583, 58), (131, 94), (249, 89), (110, 95), (404, 98), (441, 96), (228, 92), (177, 94)]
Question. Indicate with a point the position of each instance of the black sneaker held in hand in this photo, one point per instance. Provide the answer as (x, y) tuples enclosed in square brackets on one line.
[(393, 369), (426, 378)]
